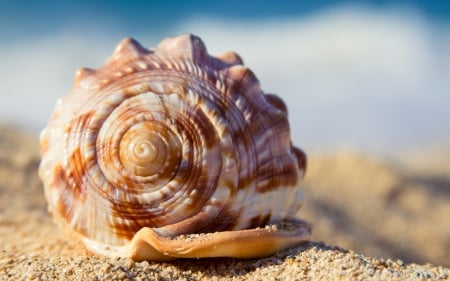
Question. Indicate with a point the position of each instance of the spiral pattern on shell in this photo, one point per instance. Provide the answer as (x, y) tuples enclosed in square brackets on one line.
[(172, 139)]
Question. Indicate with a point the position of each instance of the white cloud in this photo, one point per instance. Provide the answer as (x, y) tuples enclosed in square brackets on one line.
[(350, 76)]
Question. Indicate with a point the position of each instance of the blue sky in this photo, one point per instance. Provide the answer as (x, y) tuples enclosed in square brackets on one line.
[(370, 75), (36, 18)]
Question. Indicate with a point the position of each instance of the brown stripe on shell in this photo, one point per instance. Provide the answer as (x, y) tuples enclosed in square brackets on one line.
[(226, 220), (245, 80), (240, 130), (78, 171), (68, 195), (302, 160), (276, 170), (78, 164), (77, 126), (207, 129), (276, 175), (259, 221), (277, 102), (126, 230), (199, 223)]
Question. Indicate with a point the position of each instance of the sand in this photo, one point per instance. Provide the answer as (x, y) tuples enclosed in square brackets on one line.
[(389, 219)]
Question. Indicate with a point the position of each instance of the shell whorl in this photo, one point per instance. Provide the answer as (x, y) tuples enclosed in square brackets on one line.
[(172, 139)]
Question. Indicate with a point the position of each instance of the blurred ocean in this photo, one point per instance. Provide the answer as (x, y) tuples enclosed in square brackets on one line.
[(374, 77)]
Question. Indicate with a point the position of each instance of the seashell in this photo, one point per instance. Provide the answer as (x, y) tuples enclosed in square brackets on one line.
[(170, 153)]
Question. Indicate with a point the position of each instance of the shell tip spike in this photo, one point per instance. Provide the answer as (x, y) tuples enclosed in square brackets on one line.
[(82, 74), (129, 47), (184, 46), (230, 58)]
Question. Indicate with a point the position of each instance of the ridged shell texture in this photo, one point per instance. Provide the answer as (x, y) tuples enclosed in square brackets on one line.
[(172, 139)]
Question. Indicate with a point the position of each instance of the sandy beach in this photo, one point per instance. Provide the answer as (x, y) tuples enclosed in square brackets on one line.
[(373, 219)]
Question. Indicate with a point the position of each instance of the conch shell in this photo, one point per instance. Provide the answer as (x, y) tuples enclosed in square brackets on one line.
[(170, 153)]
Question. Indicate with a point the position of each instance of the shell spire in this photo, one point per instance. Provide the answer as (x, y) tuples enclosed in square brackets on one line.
[(173, 153)]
